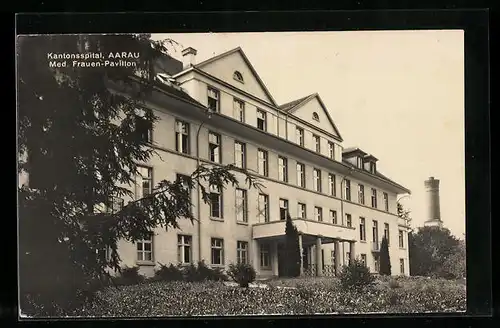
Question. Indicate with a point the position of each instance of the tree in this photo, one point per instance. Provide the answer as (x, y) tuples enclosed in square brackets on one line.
[(79, 142), (292, 248), (385, 259), (454, 266), (429, 248), (404, 214)]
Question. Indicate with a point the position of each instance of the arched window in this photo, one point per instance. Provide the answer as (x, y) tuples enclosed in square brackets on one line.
[(315, 116), (238, 76)]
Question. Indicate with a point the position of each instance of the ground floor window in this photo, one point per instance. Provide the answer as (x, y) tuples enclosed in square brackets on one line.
[(242, 252), (265, 256), (145, 249), (363, 259), (402, 266), (376, 260), (184, 249), (217, 251)]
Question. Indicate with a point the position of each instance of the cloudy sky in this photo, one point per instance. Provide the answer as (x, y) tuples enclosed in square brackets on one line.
[(396, 94)]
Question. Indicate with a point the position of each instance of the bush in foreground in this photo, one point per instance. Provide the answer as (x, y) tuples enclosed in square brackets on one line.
[(129, 276), (356, 275), (242, 273)]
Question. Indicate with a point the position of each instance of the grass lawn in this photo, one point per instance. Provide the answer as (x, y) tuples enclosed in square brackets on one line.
[(307, 296)]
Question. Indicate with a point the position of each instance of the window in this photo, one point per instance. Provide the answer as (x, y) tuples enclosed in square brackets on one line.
[(402, 266), (214, 147), (386, 232), (301, 210), (318, 214), (301, 175), (363, 259), (239, 110), (215, 202), (348, 220), (217, 251), (317, 143), (361, 194), (261, 120), (315, 116), (144, 129), (376, 259), (144, 182), (386, 202), (265, 258), (331, 150), (214, 100), (263, 204), (299, 136), (239, 154), (333, 216), (184, 180), (263, 164), (317, 180), (283, 169), (362, 229), (238, 76), (241, 252), (347, 195), (347, 258), (182, 137), (145, 249), (375, 232), (283, 209), (241, 205), (374, 197), (373, 167), (332, 188), (401, 239), (359, 162), (115, 205), (184, 249)]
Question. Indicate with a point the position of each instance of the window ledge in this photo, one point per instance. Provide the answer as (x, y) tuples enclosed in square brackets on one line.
[(242, 223), (145, 263), (217, 266), (363, 241), (216, 219)]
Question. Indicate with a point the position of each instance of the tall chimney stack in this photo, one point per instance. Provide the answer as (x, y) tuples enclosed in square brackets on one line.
[(433, 206), (188, 57)]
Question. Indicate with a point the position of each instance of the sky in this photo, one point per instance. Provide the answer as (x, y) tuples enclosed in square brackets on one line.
[(398, 95)]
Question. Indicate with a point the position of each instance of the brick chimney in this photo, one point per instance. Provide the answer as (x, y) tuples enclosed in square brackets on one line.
[(188, 57)]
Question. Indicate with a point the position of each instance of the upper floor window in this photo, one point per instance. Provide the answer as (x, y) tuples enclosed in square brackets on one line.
[(333, 216), (283, 209), (386, 233), (215, 202), (347, 195), (331, 150), (261, 120), (263, 162), (401, 239), (299, 136), (214, 146), (239, 154), (373, 167), (263, 208), (214, 100), (361, 194), (359, 162), (182, 137), (144, 129), (332, 189), (283, 169), (184, 180), (386, 201), (238, 77), (301, 175), (362, 229), (317, 180), (144, 182), (241, 205), (318, 213), (317, 143), (315, 116), (301, 209), (374, 197), (348, 220), (239, 110), (375, 231)]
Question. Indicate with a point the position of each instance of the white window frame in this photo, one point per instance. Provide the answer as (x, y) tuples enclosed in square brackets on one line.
[(265, 256), (263, 208), (318, 213), (317, 180), (283, 168), (145, 174), (214, 94), (333, 217), (263, 162), (241, 252), (301, 175), (299, 136), (182, 137), (361, 194), (241, 205), (239, 109), (302, 210), (214, 147), (184, 244), (142, 253), (262, 116), (317, 143), (240, 154), (332, 181), (362, 229), (285, 206), (213, 191), (217, 244)]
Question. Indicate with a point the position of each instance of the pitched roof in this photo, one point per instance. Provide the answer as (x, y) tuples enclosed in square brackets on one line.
[(292, 106), (245, 58)]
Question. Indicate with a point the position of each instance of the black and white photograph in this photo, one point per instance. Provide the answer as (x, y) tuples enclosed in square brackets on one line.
[(241, 174)]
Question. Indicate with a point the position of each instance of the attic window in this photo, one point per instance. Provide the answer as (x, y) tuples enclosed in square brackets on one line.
[(315, 116), (238, 76)]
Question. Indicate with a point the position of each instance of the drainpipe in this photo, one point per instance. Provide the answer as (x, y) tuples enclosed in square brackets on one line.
[(209, 115)]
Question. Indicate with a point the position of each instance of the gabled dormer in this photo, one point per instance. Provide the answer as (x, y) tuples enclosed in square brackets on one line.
[(354, 156), (370, 163)]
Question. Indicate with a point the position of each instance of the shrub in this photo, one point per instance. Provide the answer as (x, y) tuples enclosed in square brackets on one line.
[(202, 272), (129, 276), (393, 283), (169, 273), (242, 273), (356, 275), (385, 259)]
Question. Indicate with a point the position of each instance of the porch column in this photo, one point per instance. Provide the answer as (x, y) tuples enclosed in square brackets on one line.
[(337, 256), (352, 251), (319, 264), (255, 255), (301, 254), (274, 258)]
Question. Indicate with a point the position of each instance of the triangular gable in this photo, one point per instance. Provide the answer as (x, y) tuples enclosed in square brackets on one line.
[(223, 67), (305, 107)]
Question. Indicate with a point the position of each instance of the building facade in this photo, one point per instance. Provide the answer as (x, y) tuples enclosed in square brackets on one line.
[(340, 203)]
